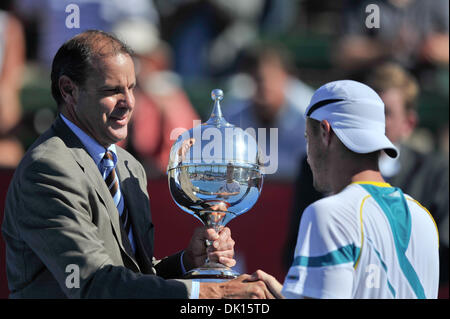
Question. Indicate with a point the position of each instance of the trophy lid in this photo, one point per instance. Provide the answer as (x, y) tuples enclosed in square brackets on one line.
[(214, 169), (216, 142)]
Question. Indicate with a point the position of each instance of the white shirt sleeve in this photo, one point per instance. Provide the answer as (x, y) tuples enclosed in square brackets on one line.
[(325, 254), (195, 289)]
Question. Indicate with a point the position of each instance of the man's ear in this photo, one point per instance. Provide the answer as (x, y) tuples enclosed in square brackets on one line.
[(325, 132), (412, 120), (69, 90)]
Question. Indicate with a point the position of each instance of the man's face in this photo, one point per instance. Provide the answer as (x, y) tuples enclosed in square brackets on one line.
[(316, 156), (270, 81), (398, 124), (106, 101)]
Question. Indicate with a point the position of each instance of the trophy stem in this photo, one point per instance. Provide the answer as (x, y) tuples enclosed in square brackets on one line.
[(215, 224), (212, 271), (212, 219)]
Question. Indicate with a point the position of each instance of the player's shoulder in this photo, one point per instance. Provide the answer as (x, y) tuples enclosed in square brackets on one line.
[(337, 206), (416, 208), (422, 217), (349, 196)]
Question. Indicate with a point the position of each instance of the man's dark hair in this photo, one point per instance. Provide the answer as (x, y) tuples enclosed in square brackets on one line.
[(76, 57), (252, 57)]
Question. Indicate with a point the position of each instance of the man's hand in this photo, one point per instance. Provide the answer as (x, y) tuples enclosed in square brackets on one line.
[(272, 284), (221, 250), (243, 287)]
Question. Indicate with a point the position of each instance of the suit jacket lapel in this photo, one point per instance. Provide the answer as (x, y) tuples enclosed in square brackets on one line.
[(87, 164)]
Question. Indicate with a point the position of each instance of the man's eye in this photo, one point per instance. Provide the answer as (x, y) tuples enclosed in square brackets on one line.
[(112, 91)]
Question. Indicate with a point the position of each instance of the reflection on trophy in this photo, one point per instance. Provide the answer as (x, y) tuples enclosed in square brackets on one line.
[(215, 174)]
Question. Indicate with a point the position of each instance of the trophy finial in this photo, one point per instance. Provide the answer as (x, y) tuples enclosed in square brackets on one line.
[(216, 117), (217, 94)]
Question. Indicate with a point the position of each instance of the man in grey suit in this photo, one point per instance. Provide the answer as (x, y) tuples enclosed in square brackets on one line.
[(78, 204)]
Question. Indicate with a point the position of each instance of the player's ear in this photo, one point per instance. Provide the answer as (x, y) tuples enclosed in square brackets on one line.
[(325, 132)]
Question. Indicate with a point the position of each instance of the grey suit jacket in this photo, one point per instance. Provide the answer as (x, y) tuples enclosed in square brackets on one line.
[(60, 218)]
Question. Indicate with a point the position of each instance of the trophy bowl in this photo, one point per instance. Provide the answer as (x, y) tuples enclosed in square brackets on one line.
[(215, 174)]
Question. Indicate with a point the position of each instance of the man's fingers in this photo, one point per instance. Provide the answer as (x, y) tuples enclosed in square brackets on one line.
[(219, 245), (229, 262), (223, 257), (223, 241), (259, 290), (223, 235), (271, 282), (222, 245), (225, 232), (211, 234), (268, 294)]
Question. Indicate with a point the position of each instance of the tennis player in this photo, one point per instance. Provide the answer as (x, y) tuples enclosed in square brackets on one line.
[(367, 239)]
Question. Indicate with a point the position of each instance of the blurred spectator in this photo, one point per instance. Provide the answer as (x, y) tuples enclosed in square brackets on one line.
[(413, 33), (279, 17), (162, 109), (207, 35), (271, 98), (444, 141), (423, 176), (12, 56), (56, 21)]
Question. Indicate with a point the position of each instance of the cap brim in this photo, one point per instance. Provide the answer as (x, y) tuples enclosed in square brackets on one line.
[(363, 141)]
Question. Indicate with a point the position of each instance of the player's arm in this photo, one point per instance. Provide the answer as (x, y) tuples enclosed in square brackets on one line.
[(324, 256)]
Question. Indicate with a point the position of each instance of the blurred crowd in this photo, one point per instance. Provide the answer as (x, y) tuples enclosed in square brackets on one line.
[(267, 56)]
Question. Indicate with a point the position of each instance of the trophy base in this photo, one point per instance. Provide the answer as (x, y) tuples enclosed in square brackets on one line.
[(211, 272)]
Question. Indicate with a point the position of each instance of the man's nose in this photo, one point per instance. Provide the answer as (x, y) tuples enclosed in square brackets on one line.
[(127, 99)]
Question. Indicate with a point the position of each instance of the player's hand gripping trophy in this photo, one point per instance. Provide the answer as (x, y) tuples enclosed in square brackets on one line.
[(215, 174)]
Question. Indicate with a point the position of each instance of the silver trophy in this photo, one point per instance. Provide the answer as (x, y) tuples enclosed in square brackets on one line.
[(215, 174)]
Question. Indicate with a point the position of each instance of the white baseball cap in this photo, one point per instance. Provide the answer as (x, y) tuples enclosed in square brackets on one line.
[(356, 115)]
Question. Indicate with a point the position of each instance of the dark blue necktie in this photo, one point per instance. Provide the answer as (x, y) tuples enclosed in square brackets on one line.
[(112, 182)]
